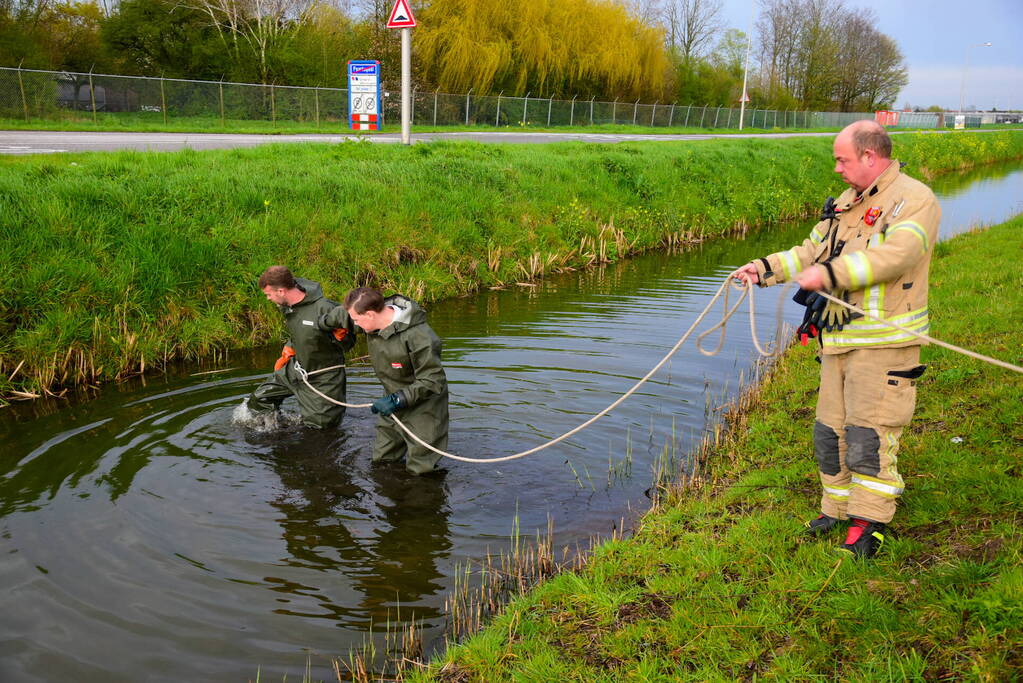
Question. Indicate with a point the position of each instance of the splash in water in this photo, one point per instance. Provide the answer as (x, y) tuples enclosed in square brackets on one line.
[(263, 422)]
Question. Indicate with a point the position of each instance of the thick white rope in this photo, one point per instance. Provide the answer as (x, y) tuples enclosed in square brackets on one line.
[(772, 349), (729, 311), (305, 378), (926, 338)]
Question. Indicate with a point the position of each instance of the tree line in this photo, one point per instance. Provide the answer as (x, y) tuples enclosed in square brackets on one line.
[(806, 54)]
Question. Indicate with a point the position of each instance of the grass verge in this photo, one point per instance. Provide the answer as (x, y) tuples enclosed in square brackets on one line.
[(112, 263), (717, 584), (154, 123)]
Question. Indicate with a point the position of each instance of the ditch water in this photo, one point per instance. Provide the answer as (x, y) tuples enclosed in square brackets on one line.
[(144, 535)]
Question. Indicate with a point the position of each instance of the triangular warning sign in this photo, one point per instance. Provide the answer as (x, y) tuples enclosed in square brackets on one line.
[(401, 15)]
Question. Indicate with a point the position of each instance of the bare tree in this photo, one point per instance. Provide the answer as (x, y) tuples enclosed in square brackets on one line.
[(691, 25), (261, 26), (778, 28), (885, 74), (818, 53)]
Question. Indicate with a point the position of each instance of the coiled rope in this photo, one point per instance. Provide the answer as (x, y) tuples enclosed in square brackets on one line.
[(772, 349)]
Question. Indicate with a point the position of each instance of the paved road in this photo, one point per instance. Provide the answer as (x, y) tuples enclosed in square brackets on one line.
[(48, 142)]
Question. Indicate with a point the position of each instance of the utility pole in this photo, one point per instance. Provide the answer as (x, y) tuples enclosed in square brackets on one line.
[(745, 69), (401, 17)]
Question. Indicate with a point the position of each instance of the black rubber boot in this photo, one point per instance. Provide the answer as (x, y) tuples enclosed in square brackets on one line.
[(863, 540), (821, 525)]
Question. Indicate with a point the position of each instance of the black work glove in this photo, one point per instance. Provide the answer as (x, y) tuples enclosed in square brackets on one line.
[(811, 325), (388, 404), (816, 305)]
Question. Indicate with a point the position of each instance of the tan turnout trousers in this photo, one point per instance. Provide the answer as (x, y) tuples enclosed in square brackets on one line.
[(866, 398)]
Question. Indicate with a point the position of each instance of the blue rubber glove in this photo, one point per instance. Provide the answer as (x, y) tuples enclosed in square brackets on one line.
[(388, 404)]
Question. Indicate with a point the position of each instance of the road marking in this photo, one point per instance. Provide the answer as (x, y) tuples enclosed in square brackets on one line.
[(18, 149)]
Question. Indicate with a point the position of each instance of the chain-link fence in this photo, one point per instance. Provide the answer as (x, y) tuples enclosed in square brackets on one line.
[(34, 94)]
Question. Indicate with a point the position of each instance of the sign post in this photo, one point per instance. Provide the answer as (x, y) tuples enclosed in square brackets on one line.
[(364, 95), (401, 17)]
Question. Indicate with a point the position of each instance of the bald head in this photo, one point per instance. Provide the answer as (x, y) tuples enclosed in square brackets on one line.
[(868, 134), (863, 151)]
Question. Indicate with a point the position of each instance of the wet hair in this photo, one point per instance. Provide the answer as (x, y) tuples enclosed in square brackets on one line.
[(871, 135), (277, 276), (362, 299)]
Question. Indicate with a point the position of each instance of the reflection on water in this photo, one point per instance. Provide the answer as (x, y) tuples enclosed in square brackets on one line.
[(146, 535)]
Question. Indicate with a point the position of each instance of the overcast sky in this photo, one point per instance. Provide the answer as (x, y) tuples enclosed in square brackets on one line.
[(934, 36)]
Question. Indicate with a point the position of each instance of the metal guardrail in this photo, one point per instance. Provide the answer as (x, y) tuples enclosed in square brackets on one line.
[(35, 94)]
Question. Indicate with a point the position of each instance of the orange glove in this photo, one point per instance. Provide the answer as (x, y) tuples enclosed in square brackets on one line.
[(287, 353), (340, 334)]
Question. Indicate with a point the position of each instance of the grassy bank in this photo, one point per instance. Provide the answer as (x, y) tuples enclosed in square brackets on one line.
[(717, 584), (117, 262)]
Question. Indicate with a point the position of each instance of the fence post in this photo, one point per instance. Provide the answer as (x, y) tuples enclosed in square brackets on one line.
[(653, 113), (21, 86), (614, 112), (163, 101), (717, 113), (729, 124), (702, 115), (775, 118), (671, 114), (316, 94), (467, 95), (635, 111), (571, 116), (435, 107), (550, 105), (412, 107), (92, 93), (273, 105), (591, 109), (222, 123), (497, 119), (525, 104), (689, 110)]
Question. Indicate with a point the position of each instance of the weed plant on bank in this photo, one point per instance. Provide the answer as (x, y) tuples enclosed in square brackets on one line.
[(117, 262), (718, 584)]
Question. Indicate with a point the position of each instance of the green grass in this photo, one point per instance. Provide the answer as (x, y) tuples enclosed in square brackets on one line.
[(154, 123), (112, 263), (717, 584)]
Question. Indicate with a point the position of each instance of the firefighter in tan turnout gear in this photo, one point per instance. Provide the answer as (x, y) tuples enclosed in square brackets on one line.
[(872, 248)]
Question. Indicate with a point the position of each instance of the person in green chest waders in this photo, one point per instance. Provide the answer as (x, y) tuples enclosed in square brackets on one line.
[(317, 352), (405, 354)]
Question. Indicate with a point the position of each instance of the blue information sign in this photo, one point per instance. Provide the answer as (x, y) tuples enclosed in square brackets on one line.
[(364, 110)]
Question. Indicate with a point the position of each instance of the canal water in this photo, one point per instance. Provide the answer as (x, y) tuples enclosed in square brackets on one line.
[(145, 534)]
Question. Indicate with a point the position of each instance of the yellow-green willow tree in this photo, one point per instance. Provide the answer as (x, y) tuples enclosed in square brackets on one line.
[(547, 47)]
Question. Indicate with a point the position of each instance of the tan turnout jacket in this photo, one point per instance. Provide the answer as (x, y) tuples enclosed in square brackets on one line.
[(881, 268)]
